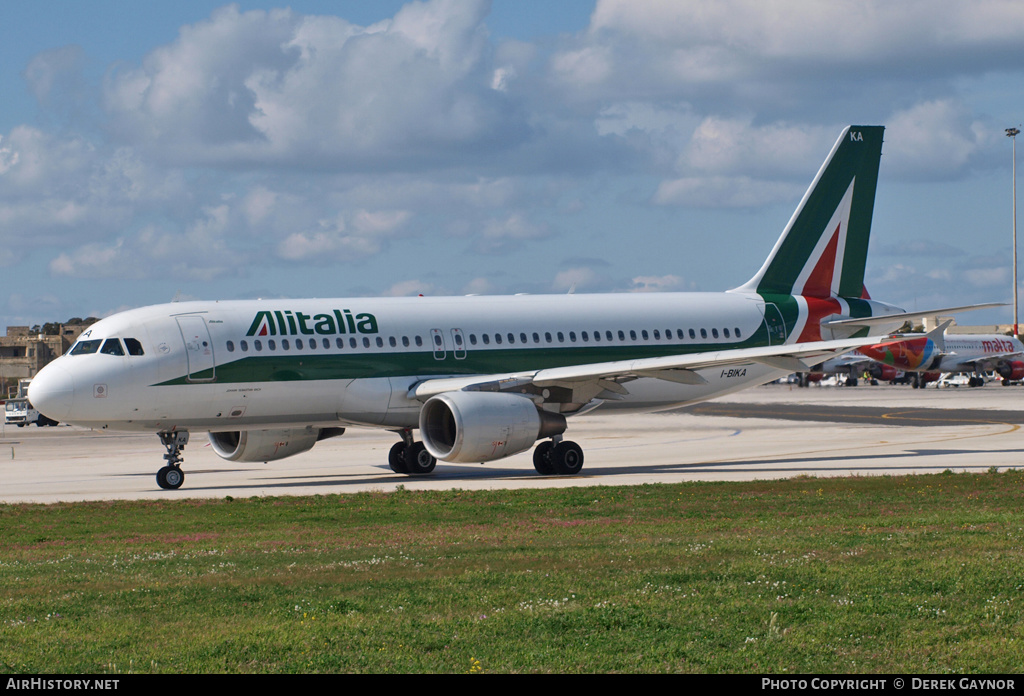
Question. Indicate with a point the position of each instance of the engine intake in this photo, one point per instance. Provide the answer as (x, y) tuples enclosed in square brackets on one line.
[(484, 426), (1012, 370)]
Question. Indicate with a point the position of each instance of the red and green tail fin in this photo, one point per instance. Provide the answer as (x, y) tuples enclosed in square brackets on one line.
[(824, 247)]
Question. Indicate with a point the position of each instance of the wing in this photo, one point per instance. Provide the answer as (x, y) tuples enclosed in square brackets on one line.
[(605, 380)]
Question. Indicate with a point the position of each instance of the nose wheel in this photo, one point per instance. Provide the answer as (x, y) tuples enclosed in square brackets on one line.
[(171, 476)]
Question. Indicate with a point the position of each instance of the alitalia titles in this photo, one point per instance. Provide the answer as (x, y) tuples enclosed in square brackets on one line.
[(289, 323)]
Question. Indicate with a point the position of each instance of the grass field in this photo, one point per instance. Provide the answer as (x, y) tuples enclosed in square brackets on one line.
[(882, 574)]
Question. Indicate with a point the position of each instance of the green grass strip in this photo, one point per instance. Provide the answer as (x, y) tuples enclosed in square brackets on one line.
[(915, 574)]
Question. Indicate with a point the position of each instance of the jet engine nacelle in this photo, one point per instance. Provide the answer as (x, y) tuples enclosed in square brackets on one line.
[(1012, 370), (483, 426), (884, 373), (268, 445)]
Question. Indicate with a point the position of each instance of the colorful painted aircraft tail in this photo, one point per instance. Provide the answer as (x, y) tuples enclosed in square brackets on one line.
[(824, 247)]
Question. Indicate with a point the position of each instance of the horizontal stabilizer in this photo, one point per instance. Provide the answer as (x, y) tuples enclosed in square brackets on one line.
[(906, 316)]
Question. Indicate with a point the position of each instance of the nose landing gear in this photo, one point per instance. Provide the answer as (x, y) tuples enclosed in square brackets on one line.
[(171, 476)]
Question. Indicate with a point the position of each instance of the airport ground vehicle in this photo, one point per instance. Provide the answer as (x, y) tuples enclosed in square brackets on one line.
[(21, 412)]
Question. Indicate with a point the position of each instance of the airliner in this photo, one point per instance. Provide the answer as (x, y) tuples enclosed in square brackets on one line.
[(904, 353), (852, 365), (940, 351), (480, 378)]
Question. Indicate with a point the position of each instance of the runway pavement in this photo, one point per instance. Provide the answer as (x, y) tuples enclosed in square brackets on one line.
[(775, 431)]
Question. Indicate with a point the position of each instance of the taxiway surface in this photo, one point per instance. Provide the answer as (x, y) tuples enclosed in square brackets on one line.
[(775, 431)]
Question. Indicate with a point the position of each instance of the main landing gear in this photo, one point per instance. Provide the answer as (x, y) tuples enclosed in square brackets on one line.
[(409, 457), (551, 457), (564, 458), (171, 476)]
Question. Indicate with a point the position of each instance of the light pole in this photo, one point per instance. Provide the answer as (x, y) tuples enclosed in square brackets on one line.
[(1011, 133)]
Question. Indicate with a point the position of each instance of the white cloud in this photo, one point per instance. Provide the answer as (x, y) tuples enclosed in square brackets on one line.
[(409, 288), (724, 192), (742, 33), (581, 279), (274, 87), (665, 283), (479, 286), (57, 73), (503, 235), (936, 139), (345, 238)]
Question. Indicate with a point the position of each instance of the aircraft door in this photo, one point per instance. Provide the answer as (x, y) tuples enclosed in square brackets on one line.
[(198, 348), (775, 324)]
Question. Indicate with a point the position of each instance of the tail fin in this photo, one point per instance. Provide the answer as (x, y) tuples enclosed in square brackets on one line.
[(824, 247)]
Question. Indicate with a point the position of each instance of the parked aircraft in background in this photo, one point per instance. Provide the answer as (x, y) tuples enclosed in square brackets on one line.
[(857, 364), (940, 352), (851, 367), (481, 378)]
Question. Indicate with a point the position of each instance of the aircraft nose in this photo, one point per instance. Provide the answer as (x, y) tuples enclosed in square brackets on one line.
[(52, 391)]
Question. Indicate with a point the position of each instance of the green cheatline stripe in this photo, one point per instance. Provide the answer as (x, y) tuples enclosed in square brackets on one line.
[(343, 366)]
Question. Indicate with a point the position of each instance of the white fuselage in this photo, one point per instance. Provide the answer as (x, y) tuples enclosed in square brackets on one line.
[(976, 353), (226, 366)]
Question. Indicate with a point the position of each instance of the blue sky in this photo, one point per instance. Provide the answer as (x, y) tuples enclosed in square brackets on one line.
[(203, 150)]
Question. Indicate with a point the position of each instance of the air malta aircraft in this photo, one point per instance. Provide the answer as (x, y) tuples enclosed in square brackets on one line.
[(480, 378), (903, 350), (853, 366), (939, 352)]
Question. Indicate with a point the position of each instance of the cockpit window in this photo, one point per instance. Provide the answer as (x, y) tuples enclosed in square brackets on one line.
[(86, 347), (133, 346), (112, 346)]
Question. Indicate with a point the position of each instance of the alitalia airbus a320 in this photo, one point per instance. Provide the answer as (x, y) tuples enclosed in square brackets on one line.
[(480, 378)]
